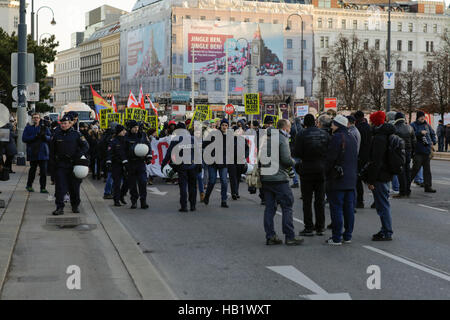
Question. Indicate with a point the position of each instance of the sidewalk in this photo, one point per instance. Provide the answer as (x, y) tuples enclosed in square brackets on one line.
[(43, 253)]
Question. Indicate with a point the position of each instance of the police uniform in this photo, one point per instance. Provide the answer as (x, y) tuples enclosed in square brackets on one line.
[(117, 160), (137, 174), (67, 147)]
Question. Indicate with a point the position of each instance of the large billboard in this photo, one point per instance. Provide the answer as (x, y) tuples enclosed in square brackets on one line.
[(143, 52), (206, 42)]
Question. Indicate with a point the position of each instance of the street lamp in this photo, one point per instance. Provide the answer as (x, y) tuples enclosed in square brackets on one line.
[(40, 37), (288, 28), (53, 22), (388, 93)]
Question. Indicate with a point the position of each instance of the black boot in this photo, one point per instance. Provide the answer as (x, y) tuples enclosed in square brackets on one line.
[(122, 199), (75, 209), (117, 204), (224, 205), (133, 205), (58, 212), (144, 204)]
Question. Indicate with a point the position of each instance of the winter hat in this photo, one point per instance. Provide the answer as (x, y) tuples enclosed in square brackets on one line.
[(378, 118), (340, 120), (255, 123), (268, 120), (224, 121), (309, 120), (132, 124), (399, 115), (390, 116), (351, 119), (359, 115), (119, 128), (420, 114)]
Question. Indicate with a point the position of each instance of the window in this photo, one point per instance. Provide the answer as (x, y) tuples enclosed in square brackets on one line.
[(409, 66), (429, 66), (410, 27), (330, 23), (429, 8), (425, 28), (343, 24), (188, 17), (217, 84), (275, 86), (261, 85), (290, 64), (399, 65), (319, 22), (275, 21), (289, 43), (366, 44), (427, 46), (431, 46), (410, 45), (355, 24), (324, 3), (289, 86), (326, 42), (202, 84), (377, 44), (187, 84), (16, 22), (202, 18), (232, 84), (324, 62), (399, 45), (304, 44), (377, 25), (174, 59), (174, 38), (366, 25), (399, 27), (305, 66), (174, 18)]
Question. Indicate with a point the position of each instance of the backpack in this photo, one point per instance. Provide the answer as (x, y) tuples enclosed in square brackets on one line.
[(395, 154)]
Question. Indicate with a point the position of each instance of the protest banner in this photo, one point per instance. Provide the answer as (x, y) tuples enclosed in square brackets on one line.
[(251, 103), (103, 117)]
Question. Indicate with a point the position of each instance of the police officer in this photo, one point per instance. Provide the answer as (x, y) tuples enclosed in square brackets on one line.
[(187, 172), (67, 147), (137, 174), (117, 162), (74, 116)]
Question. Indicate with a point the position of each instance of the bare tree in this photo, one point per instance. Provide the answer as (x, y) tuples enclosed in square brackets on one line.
[(372, 82), (408, 92)]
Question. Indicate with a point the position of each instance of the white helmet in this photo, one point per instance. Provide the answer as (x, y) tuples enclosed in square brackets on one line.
[(249, 168), (141, 150), (81, 168), (167, 171)]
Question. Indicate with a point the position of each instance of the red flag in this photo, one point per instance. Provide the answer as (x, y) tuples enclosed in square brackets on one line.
[(151, 104), (113, 104), (141, 99), (132, 103)]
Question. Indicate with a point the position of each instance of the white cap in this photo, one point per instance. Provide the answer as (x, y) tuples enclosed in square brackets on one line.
[(343, 121)]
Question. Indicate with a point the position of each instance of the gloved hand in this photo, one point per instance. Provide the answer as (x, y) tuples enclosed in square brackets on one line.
[(125, 169), (148, 160)]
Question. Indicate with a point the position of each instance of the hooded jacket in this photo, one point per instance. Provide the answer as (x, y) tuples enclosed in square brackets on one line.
[(377, 170), (406, 132)]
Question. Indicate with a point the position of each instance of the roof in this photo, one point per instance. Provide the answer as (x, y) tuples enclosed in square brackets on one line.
[(143, 3), (105, 31)]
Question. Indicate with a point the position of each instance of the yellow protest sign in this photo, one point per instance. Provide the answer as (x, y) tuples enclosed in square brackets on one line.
[(152, 122), (205, 109), (199, 116), (129, 113), (139, 115), (251, 103), (114, 117), (104, 117), (275, 118)]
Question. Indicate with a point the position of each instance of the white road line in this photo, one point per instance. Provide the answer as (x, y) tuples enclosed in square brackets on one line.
[(443, 275), (295, 219), (438, 209)]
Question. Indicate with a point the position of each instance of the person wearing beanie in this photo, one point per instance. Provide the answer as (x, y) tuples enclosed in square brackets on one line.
[(378, 174), (117, 164), (390, 117), (365, 132), (268, 121), (340, 170), (217, 166), (425, 139), (354, 131), (311, 147), (406, 132)]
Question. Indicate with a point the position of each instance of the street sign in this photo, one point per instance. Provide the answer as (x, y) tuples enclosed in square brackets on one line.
[(389, 80), (330, 104), (229, 109), (33, 92), (30, 69), (300, 93), (251, 103)]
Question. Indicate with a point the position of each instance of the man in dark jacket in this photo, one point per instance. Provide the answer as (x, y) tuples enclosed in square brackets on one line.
[(363, 155), (37, 137), (378, 175), (296, 129), (311, 148), (341, 170), (440, 132), (406, 132), (425, 139)]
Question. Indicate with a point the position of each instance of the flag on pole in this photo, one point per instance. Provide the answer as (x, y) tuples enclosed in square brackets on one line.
[(132, 103), (141, 99), (113, 104), (99, 102), (151, 104)]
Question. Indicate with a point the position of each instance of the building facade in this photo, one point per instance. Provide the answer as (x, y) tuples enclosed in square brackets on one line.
[(67, 77), (110, 44), (9, 16), (90, 69)]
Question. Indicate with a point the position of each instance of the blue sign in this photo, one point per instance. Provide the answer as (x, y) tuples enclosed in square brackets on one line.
[(181, 95)]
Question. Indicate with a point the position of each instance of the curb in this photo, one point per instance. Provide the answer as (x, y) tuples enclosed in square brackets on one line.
[(10, 225), (146, 277)]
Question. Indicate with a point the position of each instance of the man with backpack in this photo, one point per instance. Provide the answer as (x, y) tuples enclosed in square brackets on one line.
[(380, 171), (426, 138)]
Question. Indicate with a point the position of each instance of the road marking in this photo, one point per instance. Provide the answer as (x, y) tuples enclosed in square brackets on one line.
[(427, 269), (295, 219), (156, 191), (300, 278), (442, 210), (447, 183)]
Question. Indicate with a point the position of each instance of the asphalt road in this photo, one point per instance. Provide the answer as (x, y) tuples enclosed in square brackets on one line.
[(217, 253)]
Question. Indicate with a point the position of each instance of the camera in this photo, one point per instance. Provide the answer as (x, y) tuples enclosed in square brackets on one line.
[(425, 141)]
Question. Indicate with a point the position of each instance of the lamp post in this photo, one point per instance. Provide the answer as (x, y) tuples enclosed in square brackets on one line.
[(288, 28), (53, 22), (40, 37), (388, 93)]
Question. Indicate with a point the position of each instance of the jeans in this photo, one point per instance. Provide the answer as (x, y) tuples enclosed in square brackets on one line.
[(212, 174), (395, 183), (316, 188), (109, 184), (404, 178), (282, 193), (381, 197), (201, 187), (342, 209), (419, 176), (296, 177), (42, 173), (422, 161)]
